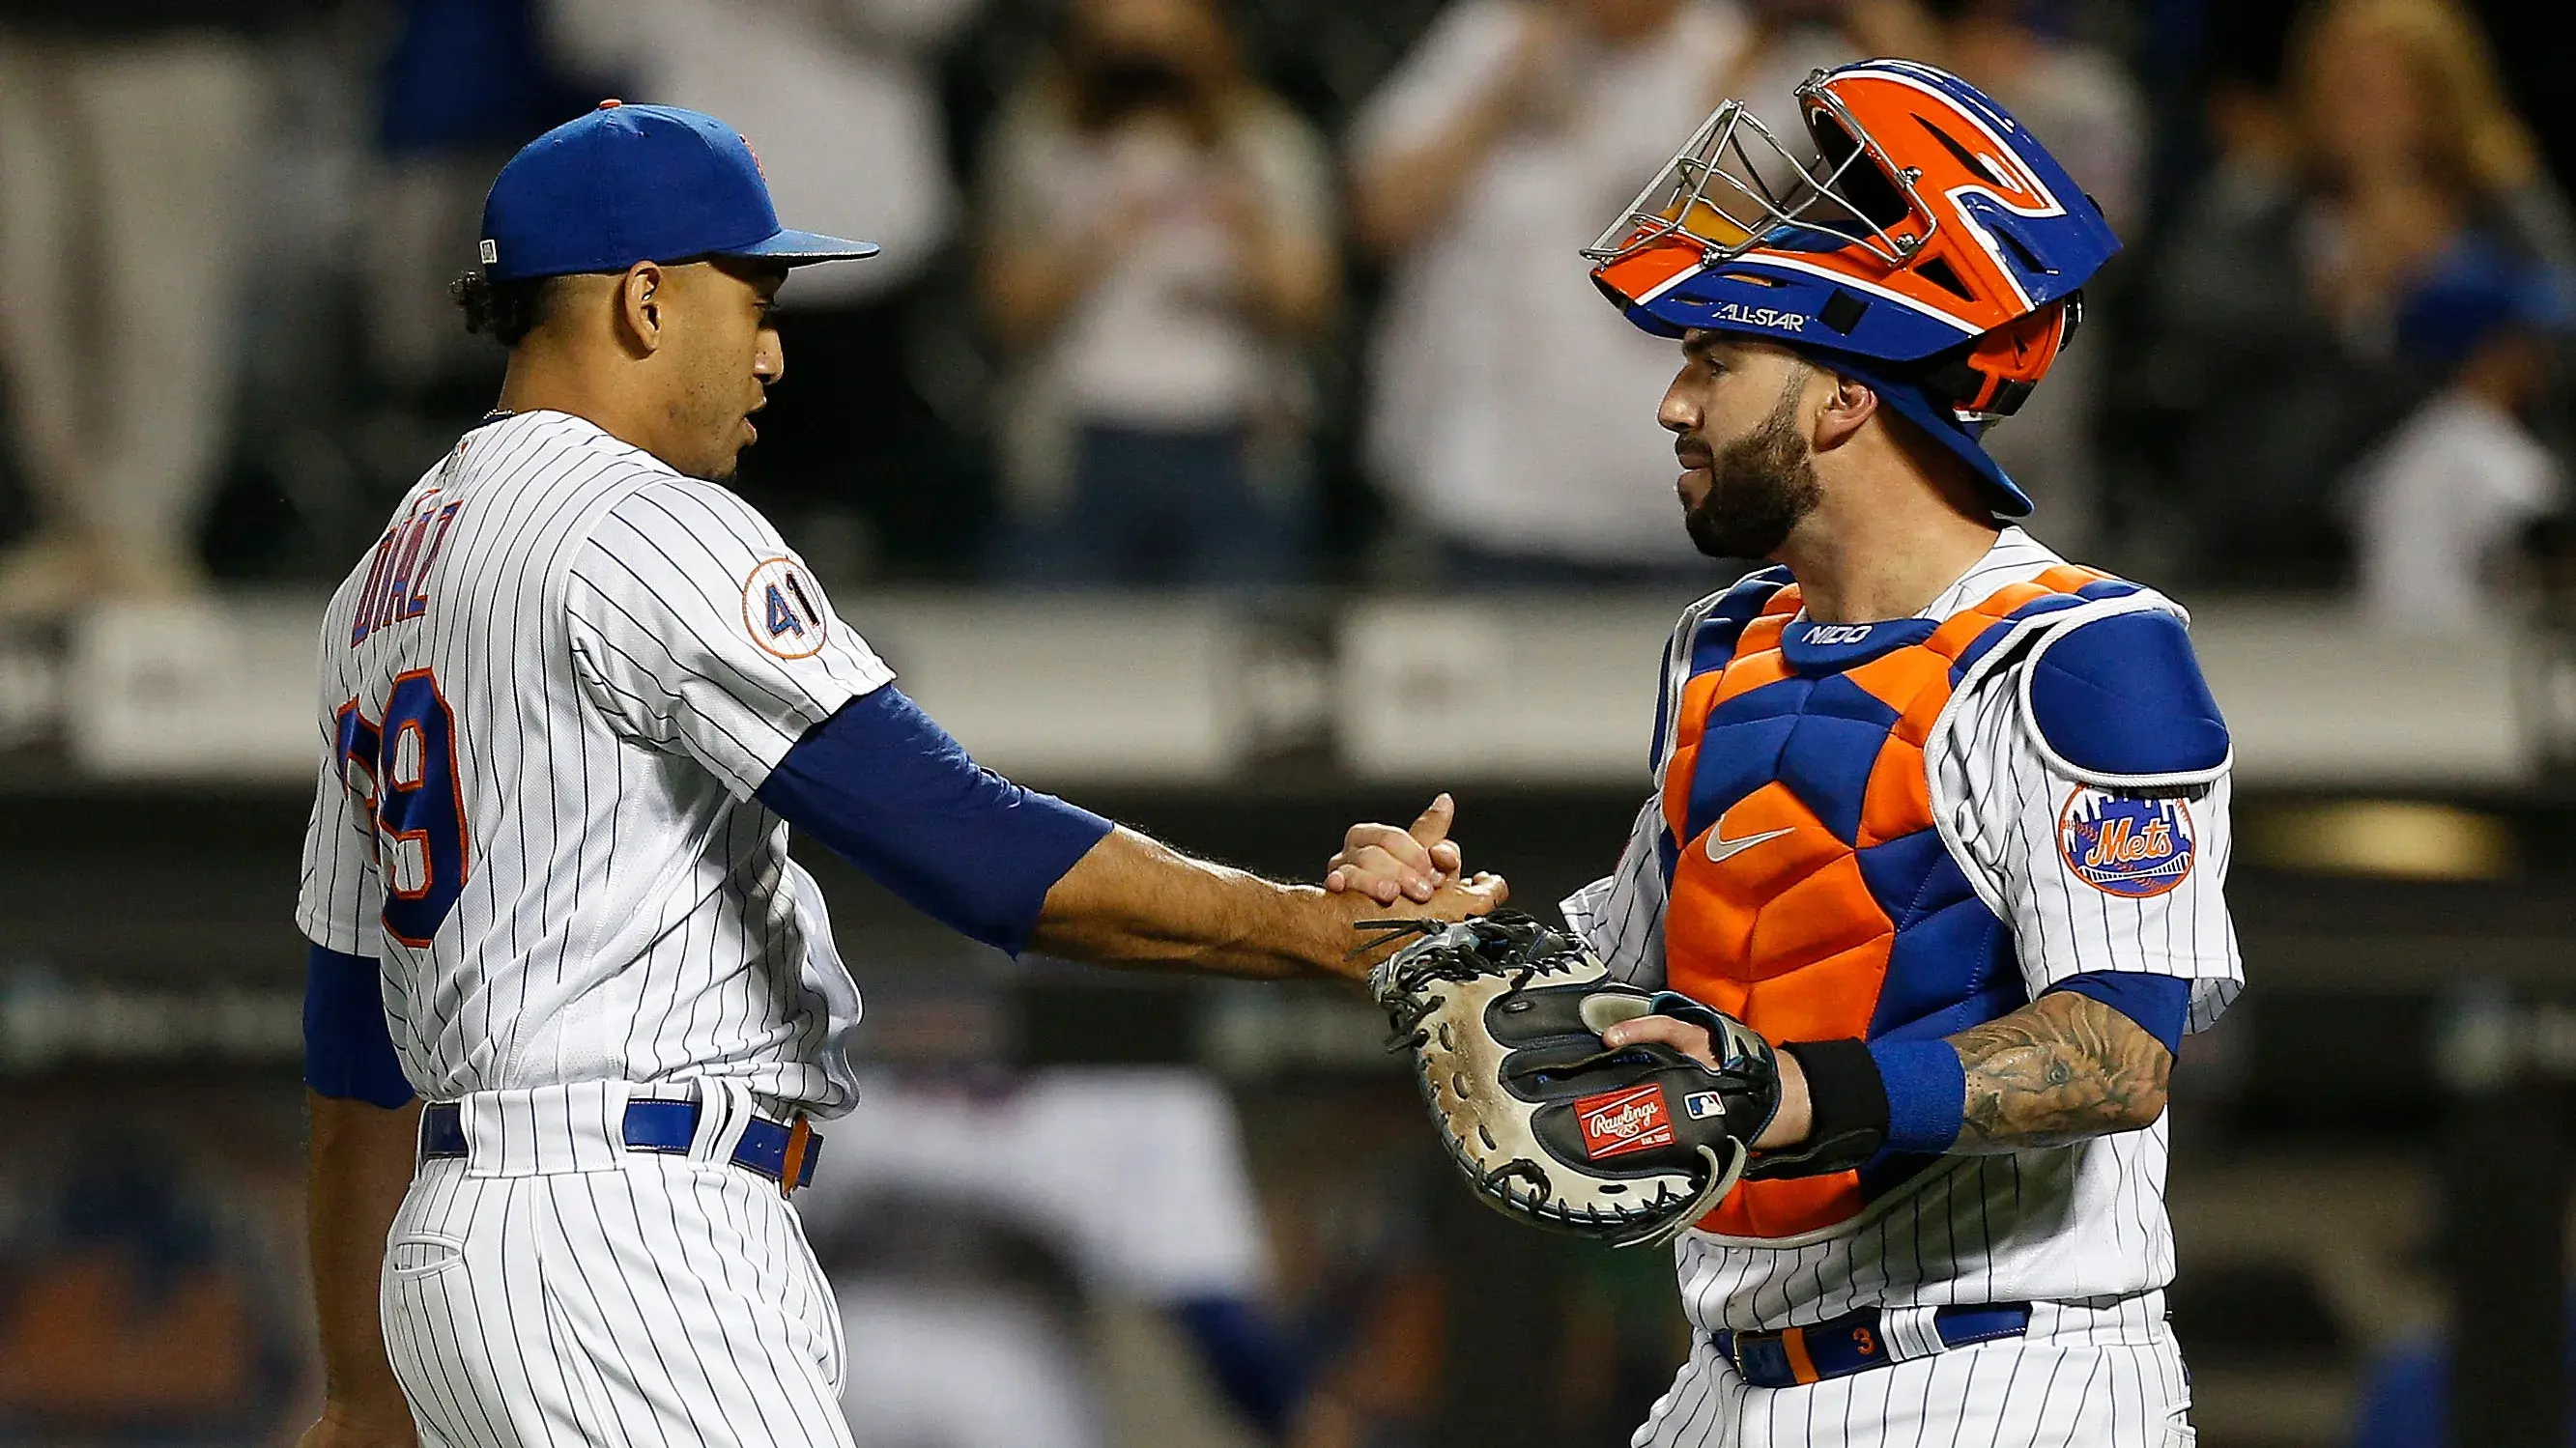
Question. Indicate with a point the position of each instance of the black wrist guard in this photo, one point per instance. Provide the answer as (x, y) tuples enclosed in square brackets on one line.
[(1847, 1102)]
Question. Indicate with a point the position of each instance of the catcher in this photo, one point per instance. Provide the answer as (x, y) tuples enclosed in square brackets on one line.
[(1875, 1018)]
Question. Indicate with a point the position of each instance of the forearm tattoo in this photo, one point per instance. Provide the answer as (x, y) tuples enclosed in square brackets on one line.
[(2059, 1070)]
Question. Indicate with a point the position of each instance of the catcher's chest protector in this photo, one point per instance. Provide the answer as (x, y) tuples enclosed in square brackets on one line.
[(1811, 896)]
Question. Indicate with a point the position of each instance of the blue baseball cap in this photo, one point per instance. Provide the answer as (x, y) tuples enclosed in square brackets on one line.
[(625, 184)]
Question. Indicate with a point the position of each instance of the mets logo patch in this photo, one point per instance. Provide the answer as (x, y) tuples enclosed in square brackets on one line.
[(2133, 848), (783, 610), (1618, 1122)]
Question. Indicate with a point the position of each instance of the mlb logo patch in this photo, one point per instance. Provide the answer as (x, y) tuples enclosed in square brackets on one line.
[(2132, 848), (1701, 1105), (1618, 1122)]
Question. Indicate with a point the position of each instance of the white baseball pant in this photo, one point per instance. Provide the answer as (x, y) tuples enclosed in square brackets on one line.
[(553, 1288), (2081, 1377)]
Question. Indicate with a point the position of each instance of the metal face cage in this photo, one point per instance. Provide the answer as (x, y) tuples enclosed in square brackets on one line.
[(1717, 192)]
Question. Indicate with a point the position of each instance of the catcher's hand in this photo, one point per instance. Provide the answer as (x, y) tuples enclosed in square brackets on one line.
[(1629, 1144)]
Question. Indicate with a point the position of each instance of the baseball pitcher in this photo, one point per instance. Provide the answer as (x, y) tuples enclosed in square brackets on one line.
[(571, 1009)]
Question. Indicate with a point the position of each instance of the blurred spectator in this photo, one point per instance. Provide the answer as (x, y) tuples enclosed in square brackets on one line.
[(966, 1362), (2278, 298), (839, 98), (2413, 141), (2439, 505), (1157, 243), (970, 1232), (1792, 39), (2077, 99), (129, 144), (1513, 414), (466, 83), (836, 95)]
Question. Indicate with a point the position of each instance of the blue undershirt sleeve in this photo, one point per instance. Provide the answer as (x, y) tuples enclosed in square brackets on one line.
[(887, 789), (2160, 1004), (348, 1053)]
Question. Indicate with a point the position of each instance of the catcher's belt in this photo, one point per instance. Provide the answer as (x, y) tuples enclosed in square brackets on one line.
[(1858, 1341)]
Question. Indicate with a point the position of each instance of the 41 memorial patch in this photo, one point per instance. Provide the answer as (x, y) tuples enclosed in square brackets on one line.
[(780, 610)]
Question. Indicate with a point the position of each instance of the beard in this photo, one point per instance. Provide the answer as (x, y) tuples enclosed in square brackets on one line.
[(1759, 486)]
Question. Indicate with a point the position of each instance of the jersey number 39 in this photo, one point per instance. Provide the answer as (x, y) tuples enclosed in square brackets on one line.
[(404, 771)]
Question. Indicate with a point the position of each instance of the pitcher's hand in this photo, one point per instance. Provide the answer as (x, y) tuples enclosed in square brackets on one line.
[(1457, 898), (1388, 864)]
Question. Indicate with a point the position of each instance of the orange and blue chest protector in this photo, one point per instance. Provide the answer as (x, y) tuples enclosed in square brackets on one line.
[(1810, 894)]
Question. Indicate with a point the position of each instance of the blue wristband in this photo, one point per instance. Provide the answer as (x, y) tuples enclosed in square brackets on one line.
[(1927, 1094)]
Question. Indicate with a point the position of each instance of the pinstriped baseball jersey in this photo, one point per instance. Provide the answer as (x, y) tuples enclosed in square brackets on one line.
[(546, 698), (2078, 1222)]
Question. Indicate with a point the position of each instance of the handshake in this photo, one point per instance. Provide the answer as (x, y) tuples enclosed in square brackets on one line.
[(1573, 1117), (1416, 862), (1420, 864)]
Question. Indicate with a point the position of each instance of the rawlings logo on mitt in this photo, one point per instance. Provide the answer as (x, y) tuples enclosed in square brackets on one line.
[(1504, 1017)]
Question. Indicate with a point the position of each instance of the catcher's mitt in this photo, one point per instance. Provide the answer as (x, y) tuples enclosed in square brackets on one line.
[(1503, 1016)]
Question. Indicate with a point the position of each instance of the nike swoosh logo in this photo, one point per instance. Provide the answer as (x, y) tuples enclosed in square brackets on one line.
[(1722, 850)]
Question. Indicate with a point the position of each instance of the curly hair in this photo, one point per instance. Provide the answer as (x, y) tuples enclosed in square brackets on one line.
[(504, 311)]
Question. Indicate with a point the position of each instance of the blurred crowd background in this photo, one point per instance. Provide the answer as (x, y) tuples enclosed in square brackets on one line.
[(1244, 291), (1275, 301)]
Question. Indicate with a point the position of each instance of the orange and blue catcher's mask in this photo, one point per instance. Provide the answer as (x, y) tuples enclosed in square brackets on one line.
[(1930, 246)]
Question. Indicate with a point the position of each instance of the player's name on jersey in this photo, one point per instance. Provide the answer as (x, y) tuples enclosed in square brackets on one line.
[(397, 587)]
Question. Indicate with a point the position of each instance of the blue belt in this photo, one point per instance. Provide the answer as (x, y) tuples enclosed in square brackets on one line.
[(662, 1126), (1795, 1356)]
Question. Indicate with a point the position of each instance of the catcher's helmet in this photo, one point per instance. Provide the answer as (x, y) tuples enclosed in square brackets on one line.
[(1933, 249)]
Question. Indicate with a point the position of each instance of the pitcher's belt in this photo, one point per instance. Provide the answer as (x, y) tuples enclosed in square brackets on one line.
[(1856, 1342), (767, 1147)]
